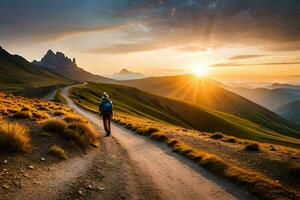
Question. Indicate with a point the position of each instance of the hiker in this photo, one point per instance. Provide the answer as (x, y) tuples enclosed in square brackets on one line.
[(105, 110)]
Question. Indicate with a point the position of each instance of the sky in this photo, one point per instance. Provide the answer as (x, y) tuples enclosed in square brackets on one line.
[(239, 40)]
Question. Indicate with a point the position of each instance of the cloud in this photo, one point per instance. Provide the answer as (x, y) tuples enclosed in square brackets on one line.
[(192, 48), (126, 48), (241, 57), (274, 25), (232, 64)]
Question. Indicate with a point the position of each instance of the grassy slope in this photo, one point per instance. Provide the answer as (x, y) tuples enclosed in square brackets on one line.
[(210, 94), (137, 102), (17, 74)]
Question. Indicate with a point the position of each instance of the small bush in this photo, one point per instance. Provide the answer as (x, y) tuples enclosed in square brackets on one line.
[(25, 108), (172, 142), (82, 133), (55, 125), (23, 115), (230, 140), (252, 147), (58, 151), (217, 136), (159, 137), (58, 113), (43, 108), (150, 131), (11, 110), (14, 136), (40, 115), (73, 118)]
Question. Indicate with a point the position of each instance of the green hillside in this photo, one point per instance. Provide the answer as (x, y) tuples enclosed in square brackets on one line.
[(136, 102), (211, 94), (17, 74)]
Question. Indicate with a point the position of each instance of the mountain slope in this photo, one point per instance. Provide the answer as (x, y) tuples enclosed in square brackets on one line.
[(210, 94), (136, 102), (269, 98), (66, 67), (17, 74), (291, 111), (125, 74)]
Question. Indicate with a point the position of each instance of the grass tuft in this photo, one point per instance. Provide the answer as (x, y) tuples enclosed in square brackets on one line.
[(14, 136), (73, 118), (252, 147), (23, 115), (83, 133), (58, 151), (59, 113), (230, 140), (217, 135), (55, 125), (159, 137)]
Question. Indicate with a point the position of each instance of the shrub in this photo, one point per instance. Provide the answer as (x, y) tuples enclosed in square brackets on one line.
[(40, 115), (58, 113), (73, 118), (58, 151), (172, 142), (82, 133), (231, 140), (12, 110), (217, 136), (55, 125), (43, 108), (25, 108), (14, 136), (252, 147), (23, 115), (159, 137), (151, 130)]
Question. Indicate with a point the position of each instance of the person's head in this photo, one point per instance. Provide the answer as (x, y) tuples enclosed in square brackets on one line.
[(105, 95)]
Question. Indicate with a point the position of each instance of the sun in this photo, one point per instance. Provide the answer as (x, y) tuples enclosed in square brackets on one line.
[(200, 70)]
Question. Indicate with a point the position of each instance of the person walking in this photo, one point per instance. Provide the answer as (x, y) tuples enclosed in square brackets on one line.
[(106, 112)]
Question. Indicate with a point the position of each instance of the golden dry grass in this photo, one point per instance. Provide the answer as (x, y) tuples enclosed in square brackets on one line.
[(58, 151), (23, 115), (14, 136), (257, 183), (73, 118), (83, 133), (55, 125)]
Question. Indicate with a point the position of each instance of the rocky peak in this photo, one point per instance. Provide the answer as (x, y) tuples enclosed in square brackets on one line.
[(57, 61)]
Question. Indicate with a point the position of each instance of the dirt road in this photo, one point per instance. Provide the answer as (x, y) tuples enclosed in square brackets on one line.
[(171, 176)]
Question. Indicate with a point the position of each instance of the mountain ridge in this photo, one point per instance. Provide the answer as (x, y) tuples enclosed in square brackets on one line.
[(126, 74), (210, 94), (68, 67), (17, 74)]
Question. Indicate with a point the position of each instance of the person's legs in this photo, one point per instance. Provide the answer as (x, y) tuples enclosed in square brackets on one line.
[(109, 121), (105, 124)]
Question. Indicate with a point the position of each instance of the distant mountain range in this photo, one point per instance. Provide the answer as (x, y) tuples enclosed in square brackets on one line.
[(280, 85), (17, 74), (68, 68), (211, 94), (269, 98), (125, 74), (290, 111)]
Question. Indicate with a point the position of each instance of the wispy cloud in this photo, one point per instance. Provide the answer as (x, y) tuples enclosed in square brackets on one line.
[(241, 57), (233, 64)]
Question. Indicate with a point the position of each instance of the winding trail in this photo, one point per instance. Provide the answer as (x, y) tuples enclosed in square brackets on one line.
[(173, 176)]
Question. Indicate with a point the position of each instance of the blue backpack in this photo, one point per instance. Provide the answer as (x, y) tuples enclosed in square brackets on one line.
[(106, 106)]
